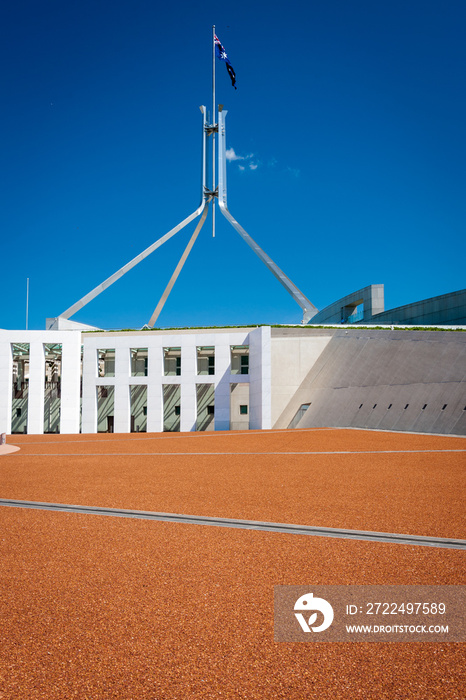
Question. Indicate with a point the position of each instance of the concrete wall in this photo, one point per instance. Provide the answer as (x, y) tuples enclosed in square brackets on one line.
[(398, 380), (239, 397), (403, 380), (446, 309), (339, 312), (294, 352)]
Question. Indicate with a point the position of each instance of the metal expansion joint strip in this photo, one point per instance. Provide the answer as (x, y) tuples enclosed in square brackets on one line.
[(245, 524)]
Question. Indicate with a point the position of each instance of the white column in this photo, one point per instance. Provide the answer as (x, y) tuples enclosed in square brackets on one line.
[(36, 388), (188, 386), (122, 409), (6, 370), (222, 385), (154, 390), (70, 384), (89, 409), (260, 379)]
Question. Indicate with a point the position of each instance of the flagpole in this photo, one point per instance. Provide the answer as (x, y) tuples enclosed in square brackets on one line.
[(27, 302), (214, 121)]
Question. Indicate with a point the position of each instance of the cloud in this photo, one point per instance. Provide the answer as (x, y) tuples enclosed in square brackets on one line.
[(231, 155), (250, 162)]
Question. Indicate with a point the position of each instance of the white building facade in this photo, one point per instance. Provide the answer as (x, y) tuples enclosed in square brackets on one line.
[(130, 381), (72, 381)]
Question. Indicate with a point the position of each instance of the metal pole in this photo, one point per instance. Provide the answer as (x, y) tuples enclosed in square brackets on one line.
[(214, 121), (122, 271), (27, 302), (177, 271), (309, 310)]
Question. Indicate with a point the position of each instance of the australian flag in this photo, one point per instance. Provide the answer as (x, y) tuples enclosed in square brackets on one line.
[(222, 55)]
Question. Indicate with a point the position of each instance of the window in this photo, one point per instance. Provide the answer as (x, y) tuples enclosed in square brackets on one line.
[(106, 362), (172, 362), (206, 360), (171, 407), (52, 389), (138, 407), (105, 409), (138, 362), (205, 402), (299, 414), (243, 410), (239, 359)]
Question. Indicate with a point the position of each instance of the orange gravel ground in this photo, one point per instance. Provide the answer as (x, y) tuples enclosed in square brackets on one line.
[(245, 476), (96, 607)]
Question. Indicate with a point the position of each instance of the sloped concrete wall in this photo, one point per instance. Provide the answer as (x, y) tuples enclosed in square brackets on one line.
[(397, 380)]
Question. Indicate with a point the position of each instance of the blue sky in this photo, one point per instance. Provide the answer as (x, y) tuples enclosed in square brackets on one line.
[(350, 112)]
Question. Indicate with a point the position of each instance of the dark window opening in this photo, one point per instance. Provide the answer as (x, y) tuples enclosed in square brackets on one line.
[(210, 410), (243, 410), (177, 410)]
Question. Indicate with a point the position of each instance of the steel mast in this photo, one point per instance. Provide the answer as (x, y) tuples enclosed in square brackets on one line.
[(208, 195)]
